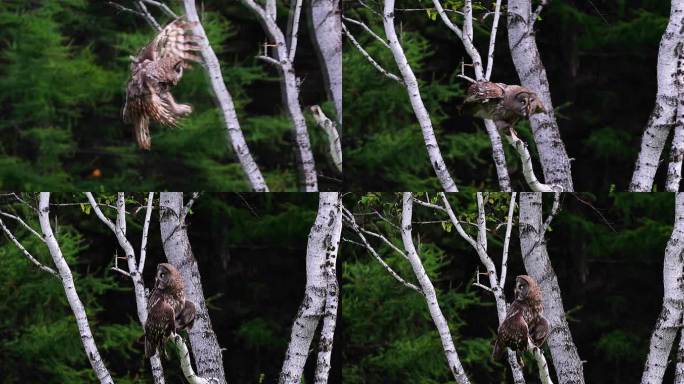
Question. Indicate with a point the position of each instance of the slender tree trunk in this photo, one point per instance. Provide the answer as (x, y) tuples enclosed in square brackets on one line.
[(324, 238), (421, 113), (670, 320), (523, 46), (429, 292), (325, 23), (174, 235), (663, 116), (538, 265), (233, 131), (325, 344), (70, 290)]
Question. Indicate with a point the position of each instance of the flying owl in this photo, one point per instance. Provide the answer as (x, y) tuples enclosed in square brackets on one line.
[(168, 312), (502, 103), (524, 319), (158, 67)]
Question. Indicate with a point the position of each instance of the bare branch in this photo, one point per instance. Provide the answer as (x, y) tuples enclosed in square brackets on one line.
[(146, 227), (293, 28), (26, 253), (507, 239), (369, 58), (492, 40), (367, 28)]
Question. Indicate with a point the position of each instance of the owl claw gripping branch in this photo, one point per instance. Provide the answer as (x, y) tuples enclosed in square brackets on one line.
[(158, 67)]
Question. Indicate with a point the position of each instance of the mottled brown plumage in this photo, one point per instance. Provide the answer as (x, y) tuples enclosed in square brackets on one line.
[(158, 67), (168, 312), (524, 319), (502, 103)]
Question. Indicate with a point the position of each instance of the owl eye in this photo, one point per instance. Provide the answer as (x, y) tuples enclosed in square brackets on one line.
[(162, 274)]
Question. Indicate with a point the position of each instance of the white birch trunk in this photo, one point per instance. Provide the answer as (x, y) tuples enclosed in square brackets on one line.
[(566, 360), (174, 235), (528, 64), (70, 290), (233, 131), (320, 247), (290, 92), (325, 22), (411, 85), (674, 169), (670, 320), (429, 292), (135, 273), (325, 344), (495, 285), (663, 116)]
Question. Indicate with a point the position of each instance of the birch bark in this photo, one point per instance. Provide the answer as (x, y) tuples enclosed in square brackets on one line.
[(429, 292), (284, 57), (663, 116), (411, 85), (225, 101), (670, 319), (322, 245), (174, 235), (325, 20), (566, 360), (70, 290), (554, 159)]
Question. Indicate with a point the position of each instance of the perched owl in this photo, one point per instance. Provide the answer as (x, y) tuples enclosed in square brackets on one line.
[(168, 312), (502, 103), (158, 67), (524, 319)]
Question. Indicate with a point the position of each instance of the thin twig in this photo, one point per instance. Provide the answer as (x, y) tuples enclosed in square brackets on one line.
[(367, 28), (369, 58), (26, 253)]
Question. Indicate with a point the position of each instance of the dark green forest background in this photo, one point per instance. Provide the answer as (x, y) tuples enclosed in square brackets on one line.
[(600, 58), (63, 71), (607, 251)]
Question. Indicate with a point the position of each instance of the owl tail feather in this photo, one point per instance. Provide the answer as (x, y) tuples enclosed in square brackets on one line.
[(141, 129), (150, 349)]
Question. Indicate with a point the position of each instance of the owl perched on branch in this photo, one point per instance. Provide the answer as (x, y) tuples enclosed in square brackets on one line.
[(524, 319), (168, 312), (158, 67), (505, 104)]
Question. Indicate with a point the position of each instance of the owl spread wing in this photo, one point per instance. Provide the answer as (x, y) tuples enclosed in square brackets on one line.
[(484, 91), (157, 67), (160, 325), (175, 40)]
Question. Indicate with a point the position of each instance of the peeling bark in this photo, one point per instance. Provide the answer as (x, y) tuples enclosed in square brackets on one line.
[(528, 64), (670, 320), (663, 116), (564, 353), (321, 249), (174, 235)]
